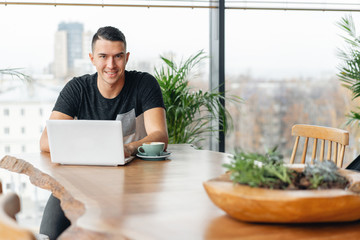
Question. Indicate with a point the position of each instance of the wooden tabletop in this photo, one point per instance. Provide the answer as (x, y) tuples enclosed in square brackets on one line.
[(154, 200)]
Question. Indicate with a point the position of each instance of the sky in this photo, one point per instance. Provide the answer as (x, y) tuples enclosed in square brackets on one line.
[(262, 44)]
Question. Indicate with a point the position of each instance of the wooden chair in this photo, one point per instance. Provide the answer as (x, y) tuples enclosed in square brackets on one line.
[(337, 140), (9, 229)]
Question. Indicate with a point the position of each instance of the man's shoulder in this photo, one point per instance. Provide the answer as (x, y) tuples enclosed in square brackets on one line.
[(84, 80), (138, 75), (141, 80)]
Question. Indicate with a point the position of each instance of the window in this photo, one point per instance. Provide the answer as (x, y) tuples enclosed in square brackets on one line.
[(23, 130), (6, 112), (22, 112), (40, 111), (6, 130), (280, 80)]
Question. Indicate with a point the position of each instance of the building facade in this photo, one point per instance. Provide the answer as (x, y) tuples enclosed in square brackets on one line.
[(72, 48), (74, 32)]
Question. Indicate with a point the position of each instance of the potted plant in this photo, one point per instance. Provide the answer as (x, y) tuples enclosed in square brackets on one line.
[(261, 188), (189, 112)]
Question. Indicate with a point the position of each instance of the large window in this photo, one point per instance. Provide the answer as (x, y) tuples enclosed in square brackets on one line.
[(284, 65)]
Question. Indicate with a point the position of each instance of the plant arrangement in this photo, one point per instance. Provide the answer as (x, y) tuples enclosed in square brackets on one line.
[(350, 67), (269, 171), (189, 112)]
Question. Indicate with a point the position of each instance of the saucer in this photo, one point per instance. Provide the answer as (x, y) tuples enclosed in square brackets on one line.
[(154, 158)]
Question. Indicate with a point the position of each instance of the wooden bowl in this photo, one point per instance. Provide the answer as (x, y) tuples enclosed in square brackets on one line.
[(286, 206)]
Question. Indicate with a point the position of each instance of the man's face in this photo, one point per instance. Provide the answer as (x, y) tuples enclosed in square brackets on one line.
[(109, 58)]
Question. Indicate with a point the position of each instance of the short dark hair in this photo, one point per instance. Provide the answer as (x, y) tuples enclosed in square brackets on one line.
[(108, 33)]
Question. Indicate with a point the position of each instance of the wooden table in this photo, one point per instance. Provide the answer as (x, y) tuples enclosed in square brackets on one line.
[(154, 200)]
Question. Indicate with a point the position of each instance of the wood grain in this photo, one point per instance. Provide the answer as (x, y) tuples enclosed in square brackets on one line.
[(153, 200)]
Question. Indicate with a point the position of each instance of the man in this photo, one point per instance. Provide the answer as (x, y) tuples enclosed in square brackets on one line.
[(110, 94)]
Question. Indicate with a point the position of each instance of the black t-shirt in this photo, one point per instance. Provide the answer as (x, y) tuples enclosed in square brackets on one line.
[(81, 99)]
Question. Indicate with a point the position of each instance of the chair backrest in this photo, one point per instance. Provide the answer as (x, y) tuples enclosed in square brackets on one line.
[(337, 140), (9, 229)]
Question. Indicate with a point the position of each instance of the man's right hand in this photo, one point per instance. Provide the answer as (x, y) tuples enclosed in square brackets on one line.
[(129, 150)]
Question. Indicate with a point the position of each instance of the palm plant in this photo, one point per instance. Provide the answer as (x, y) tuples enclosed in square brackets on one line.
[(350, 67), (189, 112)]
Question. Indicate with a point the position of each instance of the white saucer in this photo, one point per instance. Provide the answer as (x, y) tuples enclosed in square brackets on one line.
[(154, 158)]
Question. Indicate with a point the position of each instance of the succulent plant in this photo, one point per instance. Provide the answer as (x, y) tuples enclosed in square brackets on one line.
[(269, 171), (323, 172)]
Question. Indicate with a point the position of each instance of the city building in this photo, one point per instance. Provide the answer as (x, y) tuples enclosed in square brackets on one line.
[(72, 47), (60, 61), (24, 109), (74, 41)]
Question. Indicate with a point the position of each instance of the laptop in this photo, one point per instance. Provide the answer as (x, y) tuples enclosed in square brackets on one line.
[(86, 142)]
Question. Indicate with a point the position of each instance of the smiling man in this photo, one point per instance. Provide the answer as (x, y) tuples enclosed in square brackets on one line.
[(112, 93)]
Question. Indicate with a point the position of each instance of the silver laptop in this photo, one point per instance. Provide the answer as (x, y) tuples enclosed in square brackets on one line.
[(86, 142)]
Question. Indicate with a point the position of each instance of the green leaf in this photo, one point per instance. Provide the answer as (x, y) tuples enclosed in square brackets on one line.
[(349, 69), (15, 72)]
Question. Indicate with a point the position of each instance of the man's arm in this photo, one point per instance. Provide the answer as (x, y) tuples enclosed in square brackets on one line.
[(44, 143), (156, 129)]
